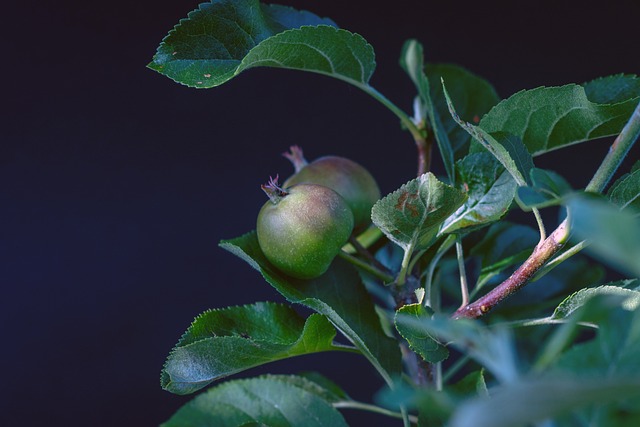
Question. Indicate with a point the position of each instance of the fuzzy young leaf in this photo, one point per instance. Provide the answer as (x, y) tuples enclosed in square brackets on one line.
[(626, 192), (490, 190), (222, 38), (419, 340), (507, 148), (338, 294), (270, 400), (580, 298), (614, 235), (473, 95), (412, 61), (548, 118), (412, 215), (547, 189), (223, 342)]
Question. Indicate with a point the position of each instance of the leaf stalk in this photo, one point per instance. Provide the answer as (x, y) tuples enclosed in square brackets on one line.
[(419, 135), (352, 404), (617, 152), (364, 266)]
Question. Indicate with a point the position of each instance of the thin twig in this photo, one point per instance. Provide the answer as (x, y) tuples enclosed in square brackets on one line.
[(464, 288), (352, 404), (386, 278), (428, 282), (363, 252)]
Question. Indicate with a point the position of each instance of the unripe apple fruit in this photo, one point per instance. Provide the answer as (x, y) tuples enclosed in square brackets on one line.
[(346, 177), (301, 229)]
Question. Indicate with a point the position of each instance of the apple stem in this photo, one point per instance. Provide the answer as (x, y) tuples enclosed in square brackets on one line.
[(273, 190), (296, 156)]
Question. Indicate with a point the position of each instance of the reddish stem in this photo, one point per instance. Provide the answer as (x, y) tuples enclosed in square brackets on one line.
[(541, 254)]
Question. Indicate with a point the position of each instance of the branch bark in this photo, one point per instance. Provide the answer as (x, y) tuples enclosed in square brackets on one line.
[(541, 254)]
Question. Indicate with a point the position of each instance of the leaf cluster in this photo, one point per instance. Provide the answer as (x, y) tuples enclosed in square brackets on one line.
[(563, 349)]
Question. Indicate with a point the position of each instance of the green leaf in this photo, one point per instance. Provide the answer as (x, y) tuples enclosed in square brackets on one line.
[(577, 300), (338, 294), (321, 385), (222, 38), (611, 357), (625, 192), (616, 348), (434, 406), (419, 341), (323, 49), (508, 149), (613, 235), (548, 118), (472, 95), (269, 401), (223, 342), (412, 215), (535, 400), (504, 246), (412, 61), (493, 348), (490, 191), (547, 189)]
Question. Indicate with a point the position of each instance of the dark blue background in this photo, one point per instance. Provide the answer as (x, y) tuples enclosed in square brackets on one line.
[(116, 184)]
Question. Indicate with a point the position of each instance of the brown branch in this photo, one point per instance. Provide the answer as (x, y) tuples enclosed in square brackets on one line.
[(424, 153), (541, 254)]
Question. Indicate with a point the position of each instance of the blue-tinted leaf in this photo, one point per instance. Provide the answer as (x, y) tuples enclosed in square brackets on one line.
[(527, 402), (625, 192), (493, 348), (547, 189), (504, 246), (613, 235)]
